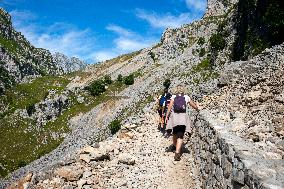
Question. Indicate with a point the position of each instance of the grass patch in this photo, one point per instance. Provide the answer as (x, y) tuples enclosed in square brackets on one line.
[(22, 143), (202, 72), (10, 45), (25, 95)]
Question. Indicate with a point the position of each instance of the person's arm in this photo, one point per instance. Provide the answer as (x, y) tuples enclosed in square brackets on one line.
[(194, 105), (163, 110), (169, 109)]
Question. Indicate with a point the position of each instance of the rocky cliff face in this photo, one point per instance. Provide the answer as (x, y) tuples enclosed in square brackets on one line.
[(242, 98), (68, 64), (19, 60)]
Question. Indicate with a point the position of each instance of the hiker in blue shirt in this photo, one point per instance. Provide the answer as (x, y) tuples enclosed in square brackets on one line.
[(179, 120), (164, 101)]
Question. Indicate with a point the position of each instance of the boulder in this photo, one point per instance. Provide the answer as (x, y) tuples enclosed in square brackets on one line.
[(81, 183), (69, 173), (126, 159), (87, 150), (99, 155), (85, 157)]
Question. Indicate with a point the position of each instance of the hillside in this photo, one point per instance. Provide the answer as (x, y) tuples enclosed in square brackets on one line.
[(228, 63), (20, 61)]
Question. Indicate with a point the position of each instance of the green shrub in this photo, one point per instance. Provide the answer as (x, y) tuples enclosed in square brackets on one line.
[(114, 126), (203, 65), (201, 41), (217, 42), (202, 52), (31, 109), (152, 55), (129, 80), (167, 83), (119, 78), (107, 79), (21, 164), (97, 87)]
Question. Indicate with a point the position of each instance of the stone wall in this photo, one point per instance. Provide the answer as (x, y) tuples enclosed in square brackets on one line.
[(225, 160)]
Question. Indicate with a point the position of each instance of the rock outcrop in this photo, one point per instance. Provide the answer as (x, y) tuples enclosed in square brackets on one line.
[(242, 102), (140, 161), (20, 61), (68, 64)]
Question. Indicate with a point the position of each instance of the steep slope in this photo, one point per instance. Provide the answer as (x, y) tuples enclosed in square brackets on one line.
[(195, 55), (93, 126), (19, 60), (142, 160)]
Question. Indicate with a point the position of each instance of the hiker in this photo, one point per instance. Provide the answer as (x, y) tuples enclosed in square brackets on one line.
[(179, 120), (164, 101)]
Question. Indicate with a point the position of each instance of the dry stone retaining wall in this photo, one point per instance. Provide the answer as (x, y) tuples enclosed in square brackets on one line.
[(225, 160)]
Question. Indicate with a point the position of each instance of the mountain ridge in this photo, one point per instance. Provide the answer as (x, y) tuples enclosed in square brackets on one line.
[(198, 55), (20, 61)]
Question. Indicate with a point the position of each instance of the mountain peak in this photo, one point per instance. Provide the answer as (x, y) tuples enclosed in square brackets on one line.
[(219, 7)]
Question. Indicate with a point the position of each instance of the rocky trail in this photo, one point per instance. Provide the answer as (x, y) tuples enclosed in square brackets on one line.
[(138, 156)]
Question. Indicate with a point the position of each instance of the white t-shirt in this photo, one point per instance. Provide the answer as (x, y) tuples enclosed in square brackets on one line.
[(187, 98)]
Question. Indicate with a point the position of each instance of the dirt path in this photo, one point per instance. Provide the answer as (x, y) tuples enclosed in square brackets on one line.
[(154, 165), (137, 157)]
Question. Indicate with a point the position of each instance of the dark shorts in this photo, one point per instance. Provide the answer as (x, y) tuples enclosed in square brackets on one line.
[(160, 112), (179, 130)]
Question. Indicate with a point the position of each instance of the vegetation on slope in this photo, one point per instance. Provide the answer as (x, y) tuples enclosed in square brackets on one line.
[(22, 141), (259, 24)]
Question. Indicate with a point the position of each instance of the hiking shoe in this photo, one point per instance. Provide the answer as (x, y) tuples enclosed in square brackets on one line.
[(159, 127), (162, 130), (171, 148), (177, 156), (167, 135)]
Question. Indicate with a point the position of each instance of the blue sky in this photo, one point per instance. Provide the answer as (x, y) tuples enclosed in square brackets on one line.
[(96, 30)]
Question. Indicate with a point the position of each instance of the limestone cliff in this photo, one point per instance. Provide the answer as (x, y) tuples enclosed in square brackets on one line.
[(242, 110), (68, 64), (20, 60)]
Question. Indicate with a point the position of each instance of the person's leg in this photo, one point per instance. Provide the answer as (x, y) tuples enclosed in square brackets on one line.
[(180, 129), (174, 139), (179, 143)]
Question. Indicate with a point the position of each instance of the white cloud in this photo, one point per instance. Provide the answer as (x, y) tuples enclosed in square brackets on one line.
[(125, 44), (67, 39), (58, 37), (196, 5), (127, 41), (103, 55), (122, 45), (164, 21), (119, 30), (70, 43), (21, 17)]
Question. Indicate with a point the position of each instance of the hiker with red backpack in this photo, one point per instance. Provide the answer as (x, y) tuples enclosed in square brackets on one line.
[(179, 120)]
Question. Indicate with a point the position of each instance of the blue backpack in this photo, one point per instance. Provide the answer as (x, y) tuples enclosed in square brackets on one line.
[(162, 100)]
